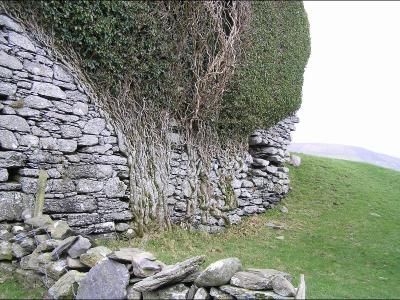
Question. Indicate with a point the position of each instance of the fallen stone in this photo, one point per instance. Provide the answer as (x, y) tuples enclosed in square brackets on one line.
[(94, 255), (30, 262), (191, 292), (59, 230), (5, 235), (21, 250), (47, 245), (6, 252), (132, 294), (75, 264), (283, 287), (217, 294), (273, 225), (219, 272), (106, 280), (56, 269), (121, 227), (170, 275), (39, 221), (79, 247), (250, 281), (126, 255), (295, 160), (284, 209), (240, 293), (63, 246), (67, 286), (269, 273), (177, 291), (201, 294)]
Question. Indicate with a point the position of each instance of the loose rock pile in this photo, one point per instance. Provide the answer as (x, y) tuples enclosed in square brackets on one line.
[(73, 266)]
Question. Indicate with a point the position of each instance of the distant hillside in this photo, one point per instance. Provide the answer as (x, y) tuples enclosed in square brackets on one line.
[(348, 153)]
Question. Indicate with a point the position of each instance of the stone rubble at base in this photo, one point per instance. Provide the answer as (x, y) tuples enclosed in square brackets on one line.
[(75, 267)]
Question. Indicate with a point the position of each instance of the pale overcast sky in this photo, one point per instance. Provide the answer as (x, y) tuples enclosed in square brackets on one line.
[(351, 92)]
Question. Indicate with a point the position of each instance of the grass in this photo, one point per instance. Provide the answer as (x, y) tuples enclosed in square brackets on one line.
[(342, 232), (11, 288)]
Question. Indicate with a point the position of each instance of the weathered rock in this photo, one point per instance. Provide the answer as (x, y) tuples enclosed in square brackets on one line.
[(61, 74), (191, 292), (23, 249), (3, 175), (126, 255), (282, 286), (295, 160), (59, 230), (30, 262), (250, 281), (79, 247), (9, 61), (106, 280), (17, 229), (67, 286), (217, 294), (9, 23), (94, 126), (219, 272), (201, 294), (56, 269), (88, 140), (6, 252), (63, 246), (170, 275), (177, 291), (12, 204), (114, 187), (89, 186), (121, 227), (240, 293), (47, 245), (5, 235), (37, 102), (38, 69), (8, 140), (80, 109), (13, 122), (7, 89), (269, 273), (35, 280), (75, 263), (95, 255), (48, 90), (132, 294), (21, 41), (39, 221), (273, 225)]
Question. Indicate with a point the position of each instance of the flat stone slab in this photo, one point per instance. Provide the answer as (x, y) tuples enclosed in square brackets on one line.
[(219, 272), (170, 275), (245, 294), (106, 280), (250, 281)]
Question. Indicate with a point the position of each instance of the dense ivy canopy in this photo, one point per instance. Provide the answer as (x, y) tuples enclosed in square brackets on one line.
[(159, 49)]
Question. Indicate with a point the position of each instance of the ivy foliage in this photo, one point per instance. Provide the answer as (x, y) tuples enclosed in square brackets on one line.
[(148, 46), (268, 83)]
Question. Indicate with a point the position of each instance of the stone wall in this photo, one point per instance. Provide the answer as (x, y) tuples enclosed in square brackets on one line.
[(239, 186), (47, 122)]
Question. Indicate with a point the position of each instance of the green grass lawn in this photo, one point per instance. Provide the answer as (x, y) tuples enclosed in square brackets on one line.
[(342, 231)]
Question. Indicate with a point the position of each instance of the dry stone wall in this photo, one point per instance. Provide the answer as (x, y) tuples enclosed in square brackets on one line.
[(47, 122), (236, 186)]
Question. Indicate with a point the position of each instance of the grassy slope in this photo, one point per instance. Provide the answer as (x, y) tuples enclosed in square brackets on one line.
[(330, 233)]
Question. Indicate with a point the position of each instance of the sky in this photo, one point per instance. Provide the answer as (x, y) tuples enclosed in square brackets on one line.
[(351, 92)]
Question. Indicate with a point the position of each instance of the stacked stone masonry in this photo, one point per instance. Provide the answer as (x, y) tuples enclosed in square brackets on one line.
[(241, 186), (48, 122)]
